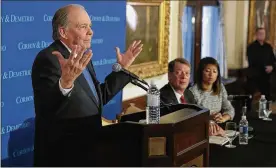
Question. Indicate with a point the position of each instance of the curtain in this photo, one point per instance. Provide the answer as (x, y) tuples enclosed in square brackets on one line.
[(210, 32), (223, 56), (213, 41), (213, 36), (182, 5), (188, 36)]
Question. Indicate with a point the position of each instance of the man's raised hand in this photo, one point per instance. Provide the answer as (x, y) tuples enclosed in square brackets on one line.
[(72, 67), (127, 58)]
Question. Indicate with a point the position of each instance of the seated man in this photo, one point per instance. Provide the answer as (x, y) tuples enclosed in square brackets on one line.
[(175, 91)]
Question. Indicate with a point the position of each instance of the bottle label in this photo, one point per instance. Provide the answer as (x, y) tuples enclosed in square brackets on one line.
[(153, 100), (243, 129)]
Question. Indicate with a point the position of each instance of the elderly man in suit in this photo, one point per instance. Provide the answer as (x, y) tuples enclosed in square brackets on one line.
[(68, 97), (175, 91)]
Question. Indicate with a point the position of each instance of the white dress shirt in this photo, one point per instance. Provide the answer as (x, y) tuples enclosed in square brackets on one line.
[(65, 92), (178, 96)]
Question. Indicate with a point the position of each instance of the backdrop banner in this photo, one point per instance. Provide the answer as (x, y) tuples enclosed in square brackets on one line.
[(27, 29)]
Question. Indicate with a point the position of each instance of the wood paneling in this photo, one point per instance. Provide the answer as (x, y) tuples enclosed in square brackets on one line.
[(185, 136), (139, 102)]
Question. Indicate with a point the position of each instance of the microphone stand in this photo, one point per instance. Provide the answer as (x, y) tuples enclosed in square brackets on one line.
[(117, 67), (135, 82)]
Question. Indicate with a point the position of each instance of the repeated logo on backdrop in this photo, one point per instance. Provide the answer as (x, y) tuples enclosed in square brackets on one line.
[(12, 18), (32, 45), (26, 30)]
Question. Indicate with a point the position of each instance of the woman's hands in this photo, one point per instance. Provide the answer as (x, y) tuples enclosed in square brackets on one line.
[(219, 118), (215, 129)]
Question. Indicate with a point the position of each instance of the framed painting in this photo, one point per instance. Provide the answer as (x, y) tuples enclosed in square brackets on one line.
[(148, 21), (262, 14)]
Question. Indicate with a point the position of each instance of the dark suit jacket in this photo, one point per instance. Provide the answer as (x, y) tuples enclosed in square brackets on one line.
[(66, 126), (167, 95), (260, 56)]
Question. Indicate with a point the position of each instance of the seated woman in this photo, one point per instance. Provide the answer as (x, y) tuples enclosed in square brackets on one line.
[(210, 93)]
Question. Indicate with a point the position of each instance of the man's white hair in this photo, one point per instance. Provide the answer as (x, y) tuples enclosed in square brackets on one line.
[(61, 19)]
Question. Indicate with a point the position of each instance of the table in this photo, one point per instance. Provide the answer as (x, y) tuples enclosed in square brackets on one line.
[(260, 151)]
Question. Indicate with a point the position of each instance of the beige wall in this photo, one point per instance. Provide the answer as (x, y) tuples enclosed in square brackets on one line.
[(236, 20)]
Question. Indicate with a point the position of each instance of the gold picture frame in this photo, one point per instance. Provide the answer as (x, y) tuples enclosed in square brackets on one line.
[(262, 14), (149, 21)]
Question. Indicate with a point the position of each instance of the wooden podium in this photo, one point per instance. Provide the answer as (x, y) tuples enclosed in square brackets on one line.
[(181, 139)]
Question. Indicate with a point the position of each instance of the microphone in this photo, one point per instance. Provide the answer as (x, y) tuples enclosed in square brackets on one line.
[(117, 67), (135, 82), (239, 97)]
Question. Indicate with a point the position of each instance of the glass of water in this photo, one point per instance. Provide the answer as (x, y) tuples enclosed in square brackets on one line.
[(268, 111), (231, 132)]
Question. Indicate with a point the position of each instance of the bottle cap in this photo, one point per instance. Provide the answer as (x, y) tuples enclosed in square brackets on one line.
[(152, 82), (263, 97)]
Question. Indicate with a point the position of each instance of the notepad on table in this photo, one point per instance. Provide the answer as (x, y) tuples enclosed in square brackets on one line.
[(219, 140)]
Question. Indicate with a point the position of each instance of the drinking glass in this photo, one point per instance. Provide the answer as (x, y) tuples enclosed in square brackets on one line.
[(268, 111), (250, 129), (231, 132)]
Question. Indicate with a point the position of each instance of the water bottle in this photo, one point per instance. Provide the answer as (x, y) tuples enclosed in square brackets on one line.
[(243, 129), (153, 104), (244, 110), (262, 106)]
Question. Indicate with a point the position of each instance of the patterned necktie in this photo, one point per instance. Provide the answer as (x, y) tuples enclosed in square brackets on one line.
[(182, 99), (91, 83)]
